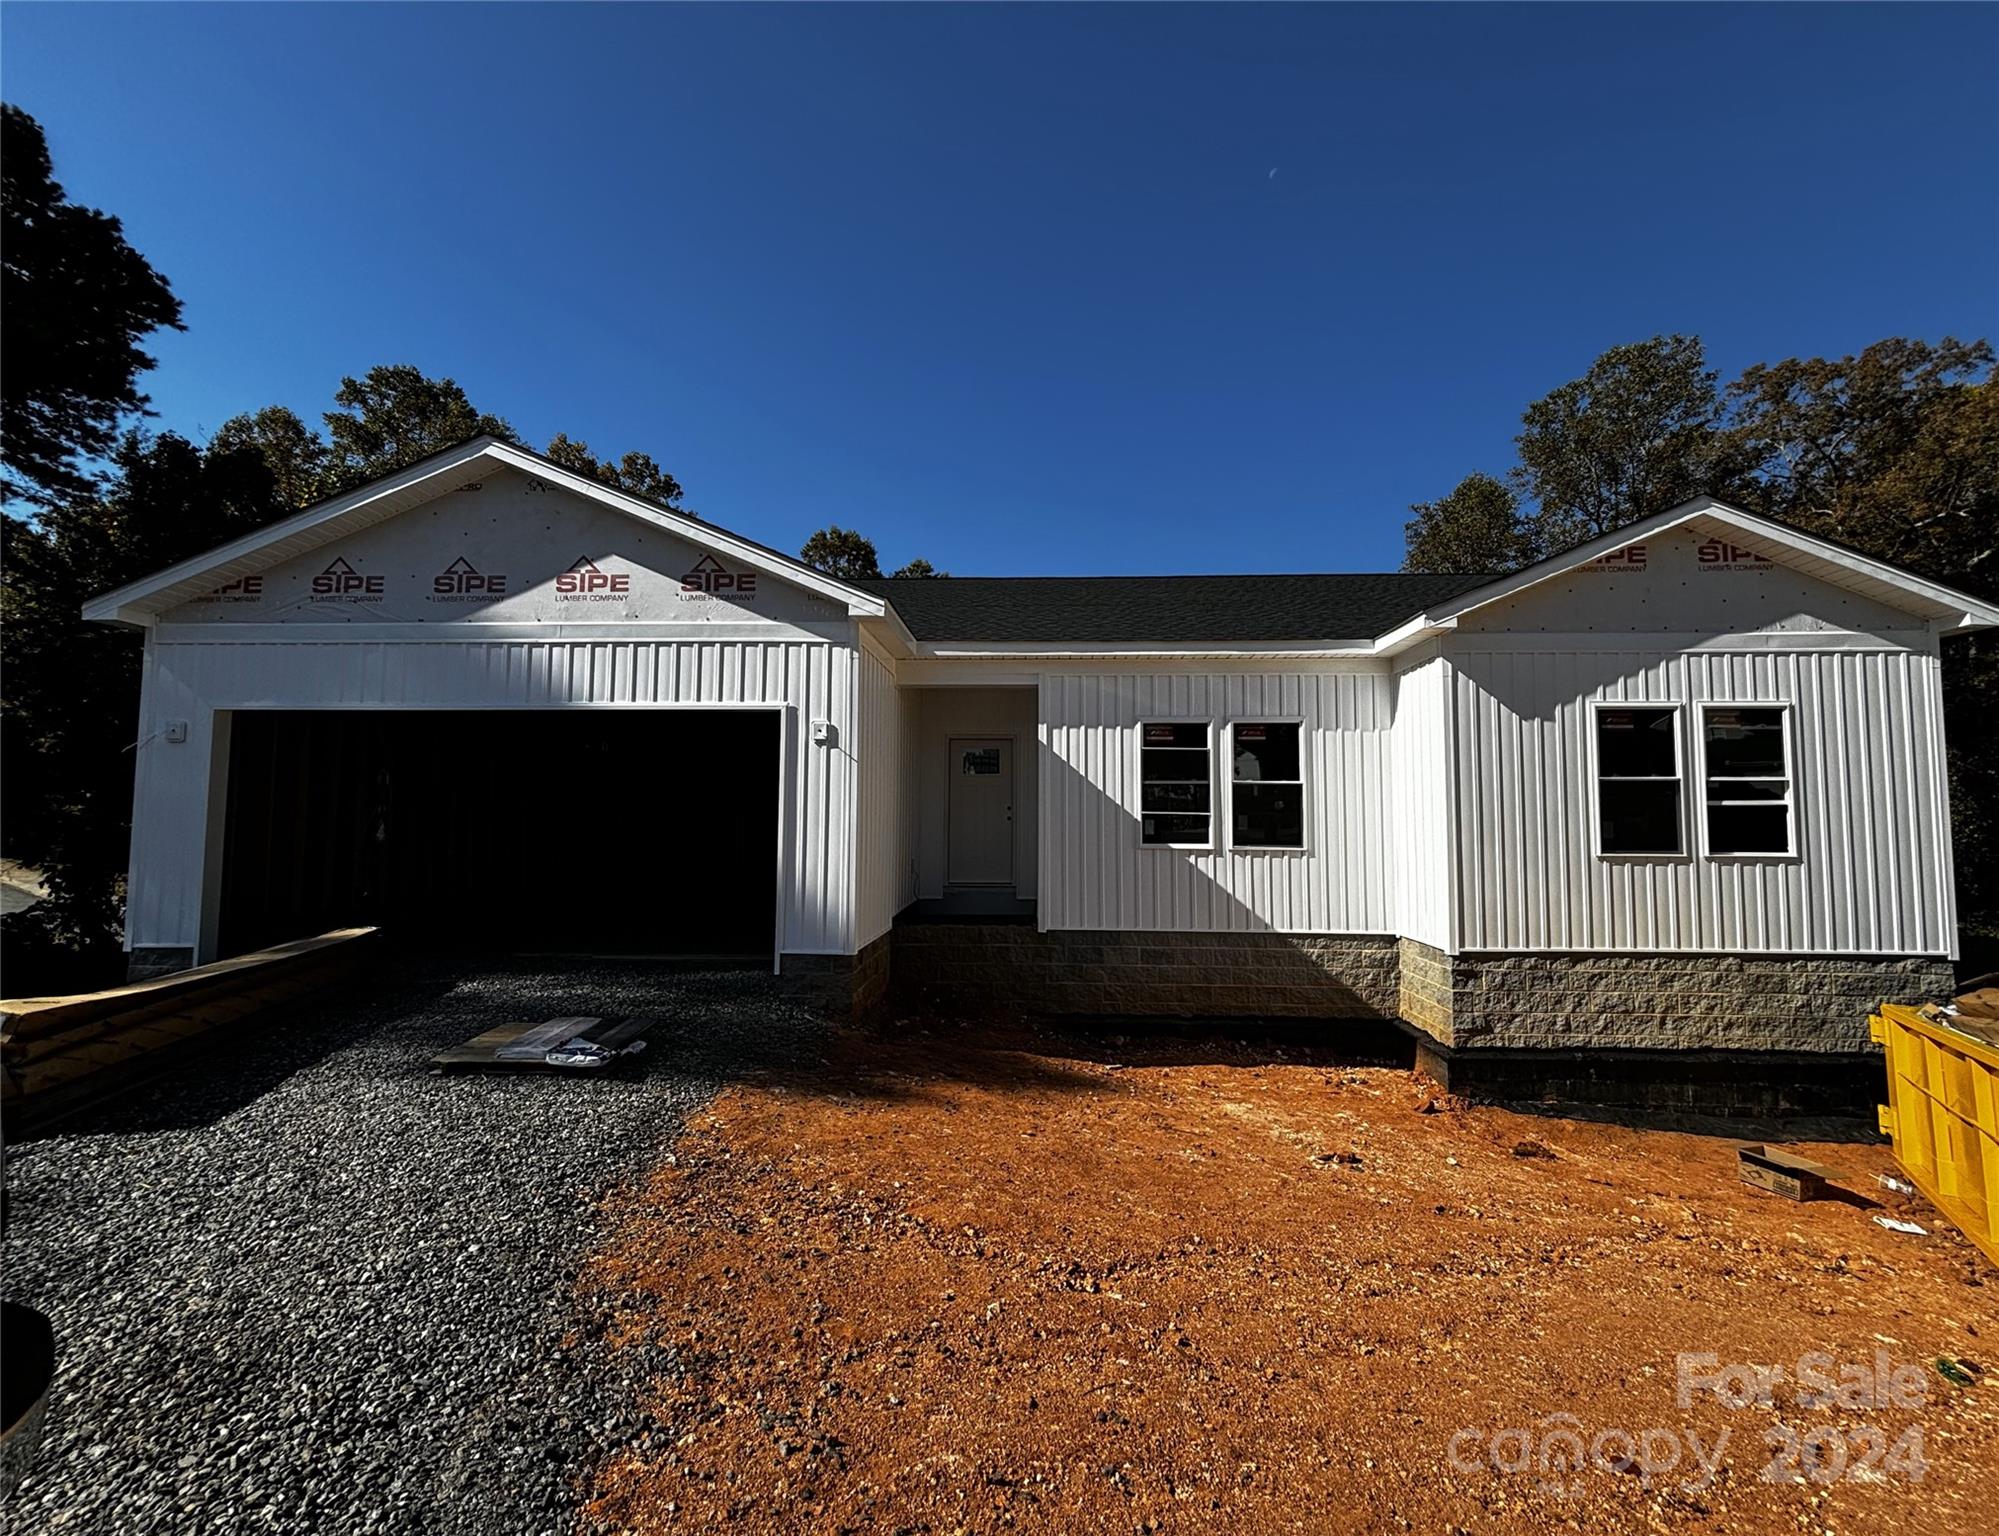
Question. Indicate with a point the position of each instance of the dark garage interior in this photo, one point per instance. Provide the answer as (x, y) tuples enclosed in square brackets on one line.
[(603, 831)]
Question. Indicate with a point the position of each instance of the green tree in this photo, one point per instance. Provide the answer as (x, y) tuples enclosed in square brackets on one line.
[(78, 300), (842, 553), (392, 417), (1639, 432), (71, 697), (1478, 527), (1895, 451), (635, 472), (919, 568), (295, 455)]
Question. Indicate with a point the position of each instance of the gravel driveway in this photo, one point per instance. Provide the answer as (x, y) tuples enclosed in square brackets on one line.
[(312, 1287)]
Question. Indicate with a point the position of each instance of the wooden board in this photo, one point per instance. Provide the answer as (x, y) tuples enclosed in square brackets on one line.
[(482, 1052), (58, 1051)]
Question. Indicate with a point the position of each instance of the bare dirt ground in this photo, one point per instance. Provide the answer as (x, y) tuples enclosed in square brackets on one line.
[(953, 1283)]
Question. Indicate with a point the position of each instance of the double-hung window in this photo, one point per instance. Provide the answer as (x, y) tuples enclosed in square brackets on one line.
[(1746, 766), (1638, 780), (1266, 784), (1176, 781)]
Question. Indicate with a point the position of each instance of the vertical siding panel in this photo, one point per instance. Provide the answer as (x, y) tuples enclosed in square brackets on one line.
[(1868, 788), (1100, 877), (1867, 798), (819, 831)]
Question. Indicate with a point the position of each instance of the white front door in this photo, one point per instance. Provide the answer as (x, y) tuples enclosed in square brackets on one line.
[(980, 842)]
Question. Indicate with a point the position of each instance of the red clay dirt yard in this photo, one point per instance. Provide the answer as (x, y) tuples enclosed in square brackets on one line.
[(959, 1283)]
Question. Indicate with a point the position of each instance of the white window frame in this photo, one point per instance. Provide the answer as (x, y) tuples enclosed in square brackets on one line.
[(1207, 723), (1304, 788), (1677, 708), (1790, 779)]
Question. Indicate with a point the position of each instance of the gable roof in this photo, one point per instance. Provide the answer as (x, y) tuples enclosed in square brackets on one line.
[(1379, 612), (1193, 610), (1382, 613), (390, 496), (1831, 562)]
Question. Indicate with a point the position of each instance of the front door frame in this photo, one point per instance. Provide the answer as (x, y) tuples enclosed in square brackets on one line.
[(1012, 880)]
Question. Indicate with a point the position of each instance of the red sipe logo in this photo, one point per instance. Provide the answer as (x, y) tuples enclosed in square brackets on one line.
[(462, 579), (1618, 561), (711, 576), (341, 580), (244, 589), (583, 579), (1719, 552)]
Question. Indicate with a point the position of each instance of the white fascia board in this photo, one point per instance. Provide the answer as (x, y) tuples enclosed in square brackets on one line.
[(1411, 633), (892, 635), (140, 601)]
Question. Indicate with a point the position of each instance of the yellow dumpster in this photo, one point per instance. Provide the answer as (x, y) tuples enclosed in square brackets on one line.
[(1943, 1113)]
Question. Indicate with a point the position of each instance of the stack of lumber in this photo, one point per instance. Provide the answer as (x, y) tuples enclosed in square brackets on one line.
[(527, 1047), (54, 1050)]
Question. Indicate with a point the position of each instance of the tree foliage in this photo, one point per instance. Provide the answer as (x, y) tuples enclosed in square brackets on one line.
[(842, 553), (851, 556), (1640, 430), (78, 300), (1894, 451), (71, 702), (635, 472), (393, 416), (296, 457), (1476, 528)]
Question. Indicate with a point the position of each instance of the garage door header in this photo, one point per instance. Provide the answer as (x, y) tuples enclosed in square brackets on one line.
[(141, 602)]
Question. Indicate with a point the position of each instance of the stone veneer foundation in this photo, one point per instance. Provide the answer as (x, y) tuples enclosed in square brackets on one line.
[(975, 967), (149, 962), (839, 986), (1652, 1002)]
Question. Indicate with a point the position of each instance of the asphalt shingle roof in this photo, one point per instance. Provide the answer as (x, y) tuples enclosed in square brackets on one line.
[(1191, 609)]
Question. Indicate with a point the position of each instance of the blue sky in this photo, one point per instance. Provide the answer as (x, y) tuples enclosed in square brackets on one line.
[(1017, 289)]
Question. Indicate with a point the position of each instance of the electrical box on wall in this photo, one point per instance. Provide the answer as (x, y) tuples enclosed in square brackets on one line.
[(175, 732), (822, 733)]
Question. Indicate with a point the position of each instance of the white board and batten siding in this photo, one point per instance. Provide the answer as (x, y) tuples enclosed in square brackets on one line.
[(1094, 873), (196, 682), (1872, 867)]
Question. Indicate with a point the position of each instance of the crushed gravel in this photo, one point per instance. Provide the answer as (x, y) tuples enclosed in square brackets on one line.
[(308, 1285)]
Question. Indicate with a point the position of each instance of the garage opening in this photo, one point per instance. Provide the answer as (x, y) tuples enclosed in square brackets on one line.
[(632, 831)]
